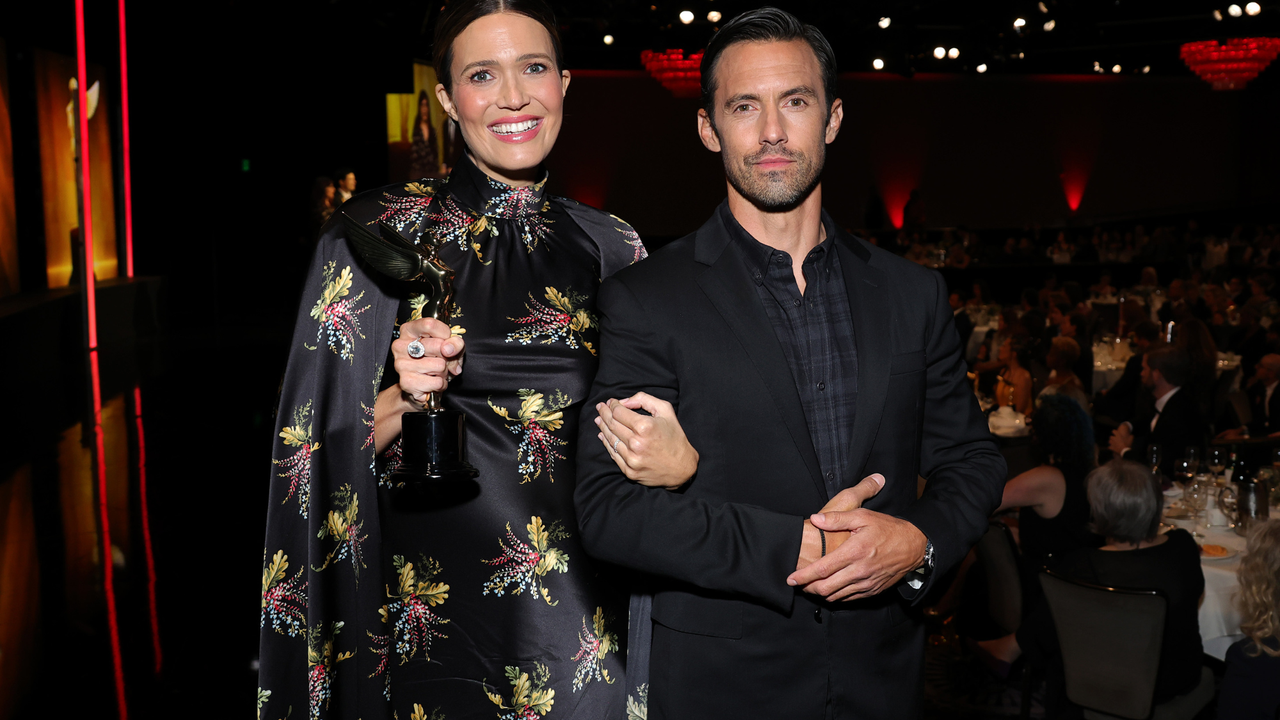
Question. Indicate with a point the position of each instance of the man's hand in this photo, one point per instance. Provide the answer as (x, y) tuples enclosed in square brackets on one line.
[(1232, 434), (1121, 439), (649, 449), (881, 549), (844, 501)]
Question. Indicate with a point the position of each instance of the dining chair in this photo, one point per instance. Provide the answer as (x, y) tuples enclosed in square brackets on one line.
[(998, 554), (1110, 640)]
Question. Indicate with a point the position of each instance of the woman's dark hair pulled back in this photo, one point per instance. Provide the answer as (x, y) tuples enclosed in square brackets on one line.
[(459, 14)]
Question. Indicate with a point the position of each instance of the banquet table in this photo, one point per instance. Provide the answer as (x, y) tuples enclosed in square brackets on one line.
[(1219, 619)]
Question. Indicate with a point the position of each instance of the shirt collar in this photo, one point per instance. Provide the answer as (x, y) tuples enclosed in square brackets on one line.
[(757, 254), (1164, 399), (478, 192)]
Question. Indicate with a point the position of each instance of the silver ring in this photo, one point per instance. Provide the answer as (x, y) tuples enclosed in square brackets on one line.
[(615, 445), (416, 350)]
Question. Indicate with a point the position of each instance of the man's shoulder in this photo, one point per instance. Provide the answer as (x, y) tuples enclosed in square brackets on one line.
[(896, 266), (665, 269)]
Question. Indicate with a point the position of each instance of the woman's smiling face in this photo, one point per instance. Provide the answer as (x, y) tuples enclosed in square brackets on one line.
[(508, 95)]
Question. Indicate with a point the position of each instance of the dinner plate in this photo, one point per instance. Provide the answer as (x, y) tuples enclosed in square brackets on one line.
[(1230, 554)]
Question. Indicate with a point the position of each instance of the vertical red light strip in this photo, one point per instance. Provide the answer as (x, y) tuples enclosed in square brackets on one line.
[(124, 122), (146, 528), (86, 233)]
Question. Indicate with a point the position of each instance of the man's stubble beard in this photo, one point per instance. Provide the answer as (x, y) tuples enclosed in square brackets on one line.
[(775, 190)]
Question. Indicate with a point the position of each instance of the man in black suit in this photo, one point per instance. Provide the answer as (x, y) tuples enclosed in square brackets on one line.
[(797, 359), (1174, 422), (1264, 402)]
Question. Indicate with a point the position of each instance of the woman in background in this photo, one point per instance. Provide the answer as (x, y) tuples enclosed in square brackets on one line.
[(424, 156), (1013, 387), (1251, 686)]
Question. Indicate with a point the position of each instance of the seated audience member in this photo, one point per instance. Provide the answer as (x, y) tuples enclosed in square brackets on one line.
[(1103, 289), (1250, 688), (1125, 501), (1193, 336), (1148, 284), (1075, 325), (1264, 402), (1062, 357), (957, 257), (1120, 401), (964, 323), (1176, 422), (322, 206), (1053, 511), (1013, 386)]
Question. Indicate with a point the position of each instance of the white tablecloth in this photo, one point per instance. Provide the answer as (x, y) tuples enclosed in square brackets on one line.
[(1219, 619)]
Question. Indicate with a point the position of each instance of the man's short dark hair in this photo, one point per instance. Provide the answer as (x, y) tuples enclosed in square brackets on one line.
[(1173, 363), (767, 24)]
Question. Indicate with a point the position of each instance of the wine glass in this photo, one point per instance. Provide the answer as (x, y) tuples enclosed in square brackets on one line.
[(1154, 456), (1217, 463), (1192, 455), (1195, 497), (1184, 473)]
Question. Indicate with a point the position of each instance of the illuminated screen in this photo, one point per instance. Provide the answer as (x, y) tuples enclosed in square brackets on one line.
[(417, 145), (58, 169)]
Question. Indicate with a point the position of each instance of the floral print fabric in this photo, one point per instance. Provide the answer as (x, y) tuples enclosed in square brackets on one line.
[(377, 605)]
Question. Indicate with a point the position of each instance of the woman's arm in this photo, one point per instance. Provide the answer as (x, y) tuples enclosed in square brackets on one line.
[(1022, 392), (1042, 489)]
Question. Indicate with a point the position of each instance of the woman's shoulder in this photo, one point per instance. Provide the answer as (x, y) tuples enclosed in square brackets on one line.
[(617, 243)]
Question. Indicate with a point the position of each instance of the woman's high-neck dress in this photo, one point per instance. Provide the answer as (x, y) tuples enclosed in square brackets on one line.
[(374, 606)]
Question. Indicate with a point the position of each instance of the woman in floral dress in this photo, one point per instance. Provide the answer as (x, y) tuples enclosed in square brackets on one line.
[(375, 608)]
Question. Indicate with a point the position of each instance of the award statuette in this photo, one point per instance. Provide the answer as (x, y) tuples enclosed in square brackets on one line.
[(434, 440)]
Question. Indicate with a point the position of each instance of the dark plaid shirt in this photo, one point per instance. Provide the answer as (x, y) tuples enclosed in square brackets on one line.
[(816, 333)]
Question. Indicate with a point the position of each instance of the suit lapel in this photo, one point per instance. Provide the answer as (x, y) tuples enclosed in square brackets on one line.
[(728, 287), (871, 317)]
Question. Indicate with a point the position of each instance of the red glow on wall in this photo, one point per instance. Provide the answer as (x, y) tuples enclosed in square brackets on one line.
[(124, 122), (677, 73), (1230, 65), (146, 528), (86, 234), (1073, 185)]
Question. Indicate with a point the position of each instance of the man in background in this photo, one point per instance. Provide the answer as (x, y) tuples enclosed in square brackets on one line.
[(345, 180)]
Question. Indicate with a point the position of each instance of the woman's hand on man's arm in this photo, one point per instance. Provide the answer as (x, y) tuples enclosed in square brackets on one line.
[(649, 449)]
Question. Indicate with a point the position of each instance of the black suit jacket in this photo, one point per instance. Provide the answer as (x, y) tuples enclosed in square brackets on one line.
[(730, 637), (1260, 425), (1181, 425)]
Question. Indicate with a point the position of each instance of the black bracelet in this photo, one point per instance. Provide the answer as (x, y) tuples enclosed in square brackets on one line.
[(823, 537)]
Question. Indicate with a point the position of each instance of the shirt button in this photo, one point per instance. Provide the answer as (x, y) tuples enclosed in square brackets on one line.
[(831, 475), (822, 386), (757, 276), (797, 302), (817, 616)]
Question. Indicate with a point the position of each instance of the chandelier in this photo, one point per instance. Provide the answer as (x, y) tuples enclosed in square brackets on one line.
[(677, 73), (1230, 65)]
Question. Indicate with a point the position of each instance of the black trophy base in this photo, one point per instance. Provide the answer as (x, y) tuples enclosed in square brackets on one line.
[(434, 449)]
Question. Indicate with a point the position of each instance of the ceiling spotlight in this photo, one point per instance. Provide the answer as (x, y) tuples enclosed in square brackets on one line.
[(608, 39), (1252, 8), (1019, 23), (714, 16), (1217, 15), (686, 17), (877, 64), (982, 68), (1146, 69), (1049, 26), (1234, 10), (884, 23), (1043, 8), (1115, 68), (953, 53), (939, 52)]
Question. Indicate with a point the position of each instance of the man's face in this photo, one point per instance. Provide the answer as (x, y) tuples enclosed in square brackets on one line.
[(954, 301), (349, 182), (1175, 290), (1148, 380), (769, 121)]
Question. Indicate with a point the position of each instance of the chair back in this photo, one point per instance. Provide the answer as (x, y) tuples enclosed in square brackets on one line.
[(998, 555), (1110, 640)]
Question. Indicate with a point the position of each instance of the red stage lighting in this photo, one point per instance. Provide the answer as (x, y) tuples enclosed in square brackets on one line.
[(124, 129), (1230, 65), (677, 73)]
